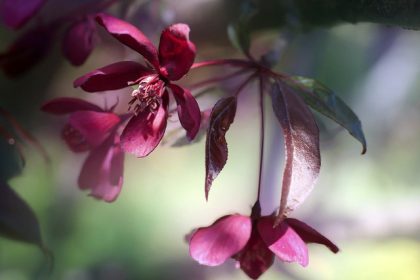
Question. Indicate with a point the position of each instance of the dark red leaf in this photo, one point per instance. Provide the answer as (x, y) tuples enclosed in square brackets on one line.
[(221, 117), (17, 220), (301, 139)]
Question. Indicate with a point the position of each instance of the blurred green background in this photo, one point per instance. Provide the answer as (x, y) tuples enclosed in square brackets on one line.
[(368, 205)]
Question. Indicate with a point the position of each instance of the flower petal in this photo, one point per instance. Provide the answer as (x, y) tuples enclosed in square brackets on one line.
[(188, 111), (310, 235), (144, 131), (130, 36), (15, 13), (88, 129), (102, 172), (283, 241), (214, 244), (26, 51), (79, 41), (111, 77), (67, 105), (255, 258), (176, 52)]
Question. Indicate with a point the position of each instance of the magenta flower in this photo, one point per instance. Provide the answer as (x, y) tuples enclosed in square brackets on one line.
[(90, 128), (27, 50), (16, 13), (79, 40), (150, 100), (254, 242)]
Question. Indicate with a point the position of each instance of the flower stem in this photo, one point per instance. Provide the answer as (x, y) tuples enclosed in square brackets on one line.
[(262, 134)]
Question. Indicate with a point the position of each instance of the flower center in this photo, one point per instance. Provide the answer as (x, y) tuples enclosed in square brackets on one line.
[(148, 95), (76, 141)]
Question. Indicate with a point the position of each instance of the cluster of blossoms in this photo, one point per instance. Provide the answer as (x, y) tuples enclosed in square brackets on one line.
[(76, 29), (252, 240)]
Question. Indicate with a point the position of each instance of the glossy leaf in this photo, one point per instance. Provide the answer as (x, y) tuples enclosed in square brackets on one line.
[(301, 139), (325, 101), (238, 32), (11, 160), (239, 36), (17, 220), (221, 117)]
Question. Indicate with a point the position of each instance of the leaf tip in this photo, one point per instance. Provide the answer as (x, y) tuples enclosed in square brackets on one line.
[(364, 149)]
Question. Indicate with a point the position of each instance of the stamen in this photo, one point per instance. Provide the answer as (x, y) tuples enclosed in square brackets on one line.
[(147, 96)]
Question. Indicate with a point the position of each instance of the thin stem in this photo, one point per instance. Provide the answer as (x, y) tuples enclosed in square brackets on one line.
[(262, 133), (217, 79), (216, 62), (24, 134), (244, 84), (240, 63)]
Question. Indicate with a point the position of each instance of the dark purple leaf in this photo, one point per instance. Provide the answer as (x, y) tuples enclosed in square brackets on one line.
[(301, 137), (17, 220), (221, 117)]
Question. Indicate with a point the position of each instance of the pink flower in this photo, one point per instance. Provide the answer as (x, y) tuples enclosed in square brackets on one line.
[(253, 242), (90, 128), (150, 100)]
